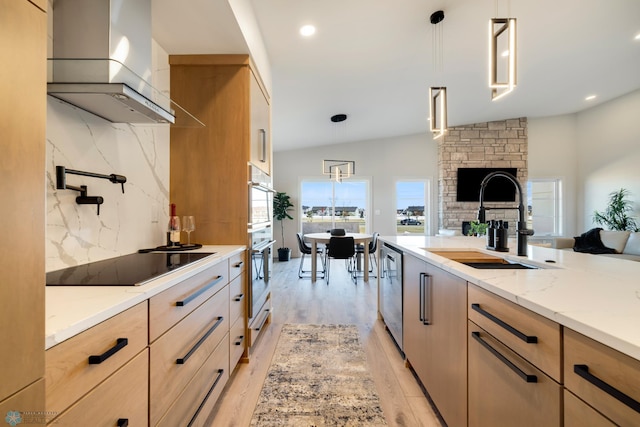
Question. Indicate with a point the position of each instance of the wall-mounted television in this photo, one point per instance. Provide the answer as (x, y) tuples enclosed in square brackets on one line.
[(499, 189)]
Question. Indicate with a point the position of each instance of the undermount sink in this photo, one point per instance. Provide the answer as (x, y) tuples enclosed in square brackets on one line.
[(481, 260)]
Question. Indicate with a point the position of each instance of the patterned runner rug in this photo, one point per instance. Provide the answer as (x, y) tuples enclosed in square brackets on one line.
[(318, 377)]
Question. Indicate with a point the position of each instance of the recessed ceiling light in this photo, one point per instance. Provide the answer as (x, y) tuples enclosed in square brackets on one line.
[(307, 30), (637, 37), (590, 98), (505, 53)]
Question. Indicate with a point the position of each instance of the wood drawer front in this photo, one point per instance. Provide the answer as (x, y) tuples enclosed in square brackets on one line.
[(259, 322), (204, 389), (498, 396), (169, 378), (122, 396), (238, 299), (29, 399), (545, 354), (579, 414), (237, 265), (617, 370), (68, 373), (169, 307), (237, 342)]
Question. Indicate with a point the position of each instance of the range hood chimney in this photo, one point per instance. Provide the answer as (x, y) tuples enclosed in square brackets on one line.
[(102, 61)]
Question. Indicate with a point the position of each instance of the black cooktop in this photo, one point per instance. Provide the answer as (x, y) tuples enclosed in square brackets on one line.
[(127, 270)]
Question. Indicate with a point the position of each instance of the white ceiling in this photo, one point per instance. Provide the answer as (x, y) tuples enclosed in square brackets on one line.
[(374, 59)]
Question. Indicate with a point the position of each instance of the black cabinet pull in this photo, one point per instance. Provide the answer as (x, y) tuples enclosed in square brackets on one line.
[(123, 422), (206, 397), (182, 360), (240, 339), (238, 297), (199, 292), (527, 377), (239, 264), (120, 344), (425, 304), (529, 339), (583, 371), (264, 320)]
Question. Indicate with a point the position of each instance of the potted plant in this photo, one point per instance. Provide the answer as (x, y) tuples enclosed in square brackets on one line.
[(281, 206), (477, 229), (616, 216)]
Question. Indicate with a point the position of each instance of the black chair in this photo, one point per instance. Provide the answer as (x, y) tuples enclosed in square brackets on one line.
[(373, 247), (305, 249), (337, 232), (341, 248)]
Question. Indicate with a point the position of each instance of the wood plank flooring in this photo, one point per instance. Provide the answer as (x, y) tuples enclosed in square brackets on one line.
[(341, 302)]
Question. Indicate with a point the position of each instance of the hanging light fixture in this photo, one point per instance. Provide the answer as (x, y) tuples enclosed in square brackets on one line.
[(338, 169), (437, 94), (502, 44)]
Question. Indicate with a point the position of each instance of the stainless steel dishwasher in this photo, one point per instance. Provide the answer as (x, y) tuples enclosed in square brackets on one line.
[(390, 291)]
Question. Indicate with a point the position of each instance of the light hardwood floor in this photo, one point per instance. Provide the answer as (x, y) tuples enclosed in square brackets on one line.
[(341, 302)]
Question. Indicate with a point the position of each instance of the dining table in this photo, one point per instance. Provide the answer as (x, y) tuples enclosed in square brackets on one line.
[(315, 238)]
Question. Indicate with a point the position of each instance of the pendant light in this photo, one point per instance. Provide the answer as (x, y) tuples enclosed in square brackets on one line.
[(338, 169), (437, 94), (502, 44)]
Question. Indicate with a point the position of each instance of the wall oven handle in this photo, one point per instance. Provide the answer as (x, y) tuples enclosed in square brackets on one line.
[(529, 339), (206, 397), (583, 371), (182, 360), (120, 344), (526, 377), (199, 292)]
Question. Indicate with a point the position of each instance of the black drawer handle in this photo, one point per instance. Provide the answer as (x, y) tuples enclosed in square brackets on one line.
[(199, 292), (527, 377), (123, 422), (264, 320), (238, 297), (425, 299), (583, 371), (182, 360), (240, 339), (206, 397), (120, 344), (529, 339), (239, 264)]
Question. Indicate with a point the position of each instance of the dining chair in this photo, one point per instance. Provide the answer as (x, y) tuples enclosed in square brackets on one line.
[(305, 249), (341, 248), (373, 247), (337, 232)]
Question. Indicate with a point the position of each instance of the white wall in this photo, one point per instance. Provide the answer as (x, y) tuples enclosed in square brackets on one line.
[(608, 151), (552, 148), (383, 161)]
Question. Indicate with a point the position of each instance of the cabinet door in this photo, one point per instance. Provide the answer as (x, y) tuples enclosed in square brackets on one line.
[(436, 347), (579, 414), (23, 37), (260, 128), (506, 390)]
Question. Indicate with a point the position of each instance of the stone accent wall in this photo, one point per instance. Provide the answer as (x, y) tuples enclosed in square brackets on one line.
[(491, 144)]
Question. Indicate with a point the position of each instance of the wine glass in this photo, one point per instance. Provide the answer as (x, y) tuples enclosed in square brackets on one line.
[(174, 230), (188, 225)]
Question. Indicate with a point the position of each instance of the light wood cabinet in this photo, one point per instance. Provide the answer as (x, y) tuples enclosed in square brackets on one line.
[(515, 364), (23, 37), (122, 399), (434, 335), (579, 414), (260, 127), (604, 378), (505, 389), (77, 365)]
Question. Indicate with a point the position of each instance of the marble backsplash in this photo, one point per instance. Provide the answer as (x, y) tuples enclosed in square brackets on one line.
[(137, 219)]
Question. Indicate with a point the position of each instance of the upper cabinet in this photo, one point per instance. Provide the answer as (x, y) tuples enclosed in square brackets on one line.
[(23, 38), (260, 126)]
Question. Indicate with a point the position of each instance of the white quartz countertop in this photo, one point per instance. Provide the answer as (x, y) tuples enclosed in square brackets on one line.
[(73, 309), (598, 296)]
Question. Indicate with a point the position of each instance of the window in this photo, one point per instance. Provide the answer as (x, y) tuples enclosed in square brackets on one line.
[(544, 210), (328, 204), (411, 216)]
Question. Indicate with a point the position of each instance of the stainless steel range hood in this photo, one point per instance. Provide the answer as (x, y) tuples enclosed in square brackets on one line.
[(102, 59)]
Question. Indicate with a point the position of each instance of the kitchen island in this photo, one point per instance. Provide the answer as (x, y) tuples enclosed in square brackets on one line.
[(553, 344)]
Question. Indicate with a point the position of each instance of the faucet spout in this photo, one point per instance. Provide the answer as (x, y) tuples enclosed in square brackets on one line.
[(522, 232)]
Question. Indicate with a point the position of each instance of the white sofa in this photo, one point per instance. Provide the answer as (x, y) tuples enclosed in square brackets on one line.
[(625, 243)]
